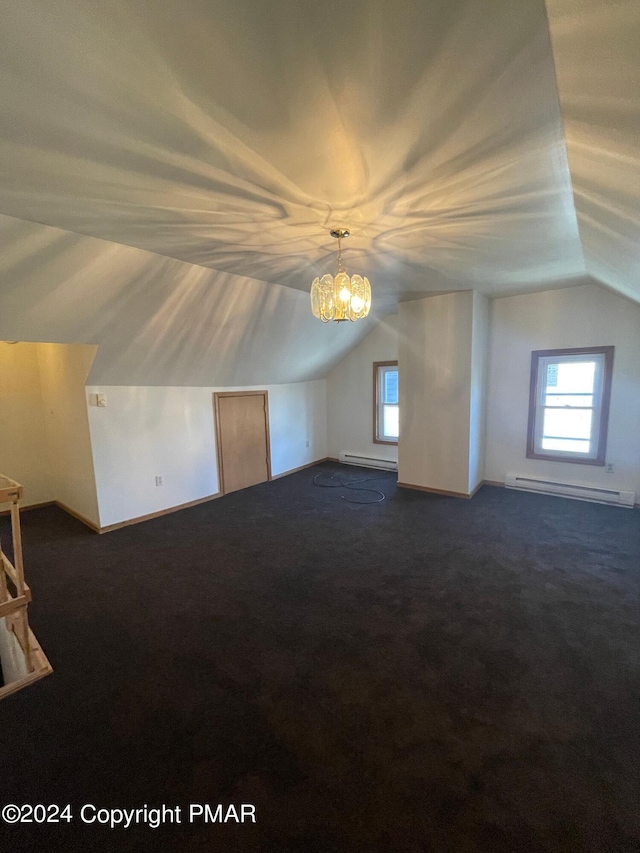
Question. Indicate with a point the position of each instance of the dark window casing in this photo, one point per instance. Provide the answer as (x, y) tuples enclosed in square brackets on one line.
[(600, 456)]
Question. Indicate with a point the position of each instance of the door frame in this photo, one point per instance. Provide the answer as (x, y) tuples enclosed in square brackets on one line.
[(216, 417)]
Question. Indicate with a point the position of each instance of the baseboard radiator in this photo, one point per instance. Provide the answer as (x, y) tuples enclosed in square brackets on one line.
[(571, 490), (368, 461)]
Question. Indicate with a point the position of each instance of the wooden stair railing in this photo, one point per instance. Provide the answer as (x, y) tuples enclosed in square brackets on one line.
[(15, 596)]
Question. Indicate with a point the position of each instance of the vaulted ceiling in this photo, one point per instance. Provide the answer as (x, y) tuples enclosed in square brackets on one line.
[(596, 45), (466, 143)]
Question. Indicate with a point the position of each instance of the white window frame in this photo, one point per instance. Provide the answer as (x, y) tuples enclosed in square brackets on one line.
[(540, 360), (379, 370)]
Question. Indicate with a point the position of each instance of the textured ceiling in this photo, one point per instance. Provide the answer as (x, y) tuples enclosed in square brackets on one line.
[(159, 321), (597, 51), (233, 133), (484, 144)]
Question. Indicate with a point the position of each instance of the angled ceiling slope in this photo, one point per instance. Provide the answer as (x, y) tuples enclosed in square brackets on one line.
[(159, 321), (597, 53), (232, 133)]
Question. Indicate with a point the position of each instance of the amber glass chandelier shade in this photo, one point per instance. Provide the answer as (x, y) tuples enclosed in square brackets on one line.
[(340, 297)]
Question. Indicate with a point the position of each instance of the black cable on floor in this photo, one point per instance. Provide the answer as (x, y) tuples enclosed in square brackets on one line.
[(354, 485)]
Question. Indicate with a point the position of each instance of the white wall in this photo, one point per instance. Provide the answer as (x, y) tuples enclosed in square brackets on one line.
[(479, 389), (148, 431), (297, 414), (63, 371), (574, 317), (23, 444), (350, 394), (435, 350)]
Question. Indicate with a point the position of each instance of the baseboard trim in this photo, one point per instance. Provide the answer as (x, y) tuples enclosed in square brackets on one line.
[(92, 525), (28, 507), (61, 506), (477, 488), (444, 492), (140, 518), (171, 509), (300, 468)]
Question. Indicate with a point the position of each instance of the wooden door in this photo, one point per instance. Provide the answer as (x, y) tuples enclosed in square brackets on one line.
[(242, 427)]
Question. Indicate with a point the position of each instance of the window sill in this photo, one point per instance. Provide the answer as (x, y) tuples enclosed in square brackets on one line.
[(574, 460)]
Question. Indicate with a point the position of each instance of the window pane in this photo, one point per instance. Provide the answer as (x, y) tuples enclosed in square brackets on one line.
[(390, 387), (571, 377), (567, 445), (390, 420), (569, 392), (569, 400), (566, 423)]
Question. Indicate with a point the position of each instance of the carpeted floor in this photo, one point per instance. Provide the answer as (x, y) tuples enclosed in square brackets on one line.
[(423, 674)]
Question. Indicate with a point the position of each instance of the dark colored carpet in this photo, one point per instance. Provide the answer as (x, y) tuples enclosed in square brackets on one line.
[(424, 674)]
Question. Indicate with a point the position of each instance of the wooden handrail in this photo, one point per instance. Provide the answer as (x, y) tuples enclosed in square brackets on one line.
[(9, 569), (13, 608)]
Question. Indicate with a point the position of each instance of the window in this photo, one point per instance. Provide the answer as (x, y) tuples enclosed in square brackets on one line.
[(569, 404), (385, 395)]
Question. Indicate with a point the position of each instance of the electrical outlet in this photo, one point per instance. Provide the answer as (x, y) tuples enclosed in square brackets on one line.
[(159, 481), (307, 443), (609, 467)]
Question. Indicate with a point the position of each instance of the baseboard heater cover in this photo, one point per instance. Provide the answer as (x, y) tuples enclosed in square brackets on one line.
[(368, 461), (571, 490)]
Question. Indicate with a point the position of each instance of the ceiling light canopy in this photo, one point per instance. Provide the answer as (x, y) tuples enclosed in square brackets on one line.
[(340, 298)]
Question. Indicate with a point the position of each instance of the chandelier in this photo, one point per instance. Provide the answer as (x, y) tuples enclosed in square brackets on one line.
[(340, 298)]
